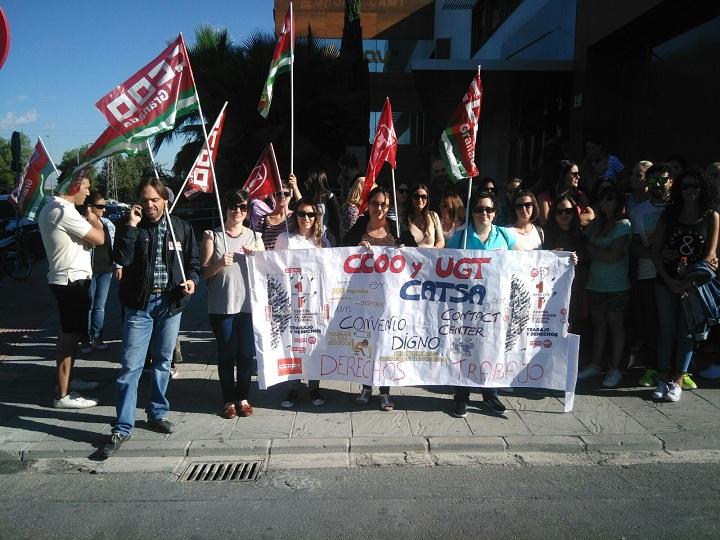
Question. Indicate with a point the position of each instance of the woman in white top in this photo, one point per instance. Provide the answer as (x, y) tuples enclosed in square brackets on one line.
[(423, 223), (524, 208), (305, 233), (452, 214), (229, 301)]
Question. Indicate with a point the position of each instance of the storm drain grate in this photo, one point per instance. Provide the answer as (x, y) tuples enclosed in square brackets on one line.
[(222, 471)]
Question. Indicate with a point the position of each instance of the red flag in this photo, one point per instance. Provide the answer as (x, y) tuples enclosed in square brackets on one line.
[(264, 179), (200, 179), (153, 99), (457, 143), (384, 149), (29, 193)]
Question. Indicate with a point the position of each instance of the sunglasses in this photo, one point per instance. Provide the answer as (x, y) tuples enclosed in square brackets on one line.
[(574, 175), (419, 197), (285, 194), (522, 205), (657, 180), (690, 186), (301, 214), (564, 211), (99, 206), (484, 210), (375, 204), (239, 206)]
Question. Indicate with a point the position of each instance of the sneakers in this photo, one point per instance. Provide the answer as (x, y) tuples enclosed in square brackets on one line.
[(74, 401), (244, 409), (289, 401), (648, 378), (674, 392), (660, 390), (588, 372), (86, 347), (363, 398), (385, 403), (229, 411), (317, 399), (612, 379), (460, 409), (688, 383), (494, 404), (161, 425), (711, 372), (100, 345), (116, 441)]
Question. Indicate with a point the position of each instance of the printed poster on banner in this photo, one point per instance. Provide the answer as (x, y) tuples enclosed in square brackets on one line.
[(414, 316)]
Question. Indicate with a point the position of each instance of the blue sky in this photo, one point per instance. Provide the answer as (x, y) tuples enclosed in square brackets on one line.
[(65, 55)]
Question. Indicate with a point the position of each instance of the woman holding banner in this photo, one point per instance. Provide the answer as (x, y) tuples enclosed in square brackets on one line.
[(481, 234), (228, 295), (374, 228), (306, 232)]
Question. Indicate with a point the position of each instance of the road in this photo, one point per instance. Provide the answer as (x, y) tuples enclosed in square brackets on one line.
[(497, 501)]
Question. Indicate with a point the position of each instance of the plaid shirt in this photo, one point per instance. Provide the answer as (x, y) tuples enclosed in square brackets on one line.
[(160, 273)]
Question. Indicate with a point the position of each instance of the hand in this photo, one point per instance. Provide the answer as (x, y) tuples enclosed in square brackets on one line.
[(92, 218), (228, 259), (247, 251), (135, 215), (118, 273), (574, 258), (365, 244), (292, 180), (188, 287)]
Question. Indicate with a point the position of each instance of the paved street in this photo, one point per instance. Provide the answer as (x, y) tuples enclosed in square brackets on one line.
[(340, 433)]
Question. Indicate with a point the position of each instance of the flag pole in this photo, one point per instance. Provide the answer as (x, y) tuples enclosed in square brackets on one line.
[(467, 213), (167, 214), (207, 142), (292, 90), (397, 216)]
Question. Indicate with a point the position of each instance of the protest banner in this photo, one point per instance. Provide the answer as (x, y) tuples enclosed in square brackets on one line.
[(414, 316)]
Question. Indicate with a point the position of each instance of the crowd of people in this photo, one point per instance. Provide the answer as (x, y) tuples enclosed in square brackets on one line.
[(636, 240)]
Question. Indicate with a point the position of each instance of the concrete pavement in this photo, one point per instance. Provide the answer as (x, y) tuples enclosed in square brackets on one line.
[(419, 430)]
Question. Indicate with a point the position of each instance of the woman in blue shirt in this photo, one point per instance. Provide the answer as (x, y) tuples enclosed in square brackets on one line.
[(481, 234)]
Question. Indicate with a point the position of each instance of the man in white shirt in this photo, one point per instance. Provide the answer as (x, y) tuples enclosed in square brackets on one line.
[(68, 238)]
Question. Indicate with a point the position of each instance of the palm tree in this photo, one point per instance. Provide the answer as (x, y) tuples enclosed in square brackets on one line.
[(236, 73)]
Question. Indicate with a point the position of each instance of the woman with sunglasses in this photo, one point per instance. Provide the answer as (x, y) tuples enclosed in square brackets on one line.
[(276, 221), (228, 296), (608, 285), (374, 228), (103, 269), (305, 233), (481, 234), (423, 223), (562, 233), (686, 233), (452, 214), (524, 207), (567, 183)]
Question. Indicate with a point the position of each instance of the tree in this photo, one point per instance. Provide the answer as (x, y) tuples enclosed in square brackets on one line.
[(71, 159), (120, 176), (7, 177), (224, 71)]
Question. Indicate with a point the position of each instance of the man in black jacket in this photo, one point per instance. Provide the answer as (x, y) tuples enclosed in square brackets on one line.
[(160, 263)]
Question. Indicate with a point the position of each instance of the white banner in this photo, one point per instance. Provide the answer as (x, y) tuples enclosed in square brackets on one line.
[(414, 316)]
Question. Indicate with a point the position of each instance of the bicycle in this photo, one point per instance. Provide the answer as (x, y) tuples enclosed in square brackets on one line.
[(15, 257)]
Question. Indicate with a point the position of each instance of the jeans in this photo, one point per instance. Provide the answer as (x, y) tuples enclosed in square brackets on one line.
[(462, 393), (673, 332), (384, 390), (99, 287), (236, 349), (156, 327)]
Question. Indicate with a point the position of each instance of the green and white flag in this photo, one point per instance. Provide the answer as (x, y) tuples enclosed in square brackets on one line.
[(281, 61)]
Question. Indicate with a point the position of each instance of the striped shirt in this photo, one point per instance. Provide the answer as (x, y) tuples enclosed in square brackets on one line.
[(160, 272), (270, 233)]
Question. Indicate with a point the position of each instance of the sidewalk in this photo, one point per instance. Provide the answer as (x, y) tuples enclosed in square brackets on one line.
[(623, 419)]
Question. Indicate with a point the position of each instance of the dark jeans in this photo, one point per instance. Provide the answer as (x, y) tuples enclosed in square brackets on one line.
[(384, 390), (236, 349), (462, 393), (644, 312)]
